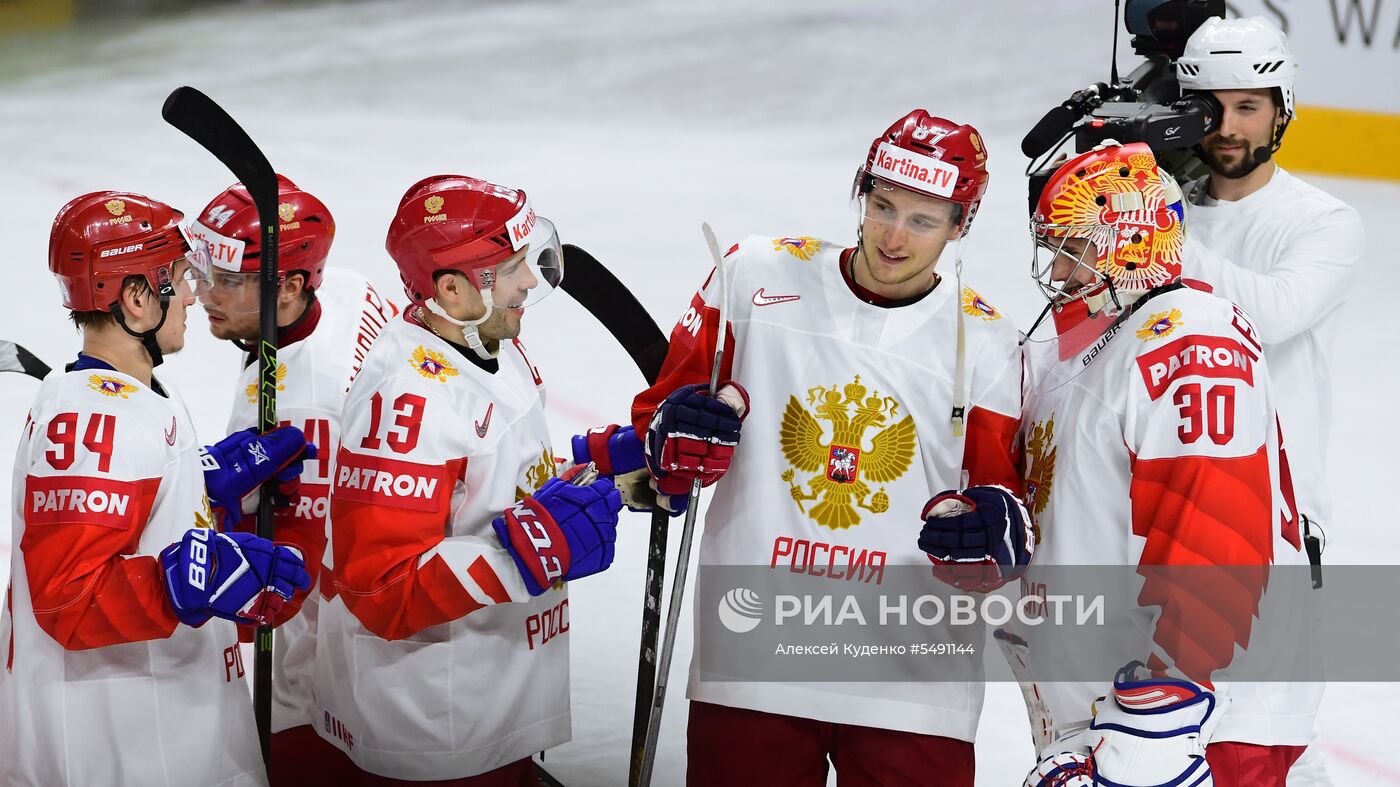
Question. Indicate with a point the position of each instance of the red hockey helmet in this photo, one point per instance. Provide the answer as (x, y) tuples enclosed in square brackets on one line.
[(457, 223), (304, 235), (99, 239), (931, 156), (1118, 197)]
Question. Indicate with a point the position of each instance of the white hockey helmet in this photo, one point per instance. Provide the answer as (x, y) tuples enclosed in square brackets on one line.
[(1233, 54)]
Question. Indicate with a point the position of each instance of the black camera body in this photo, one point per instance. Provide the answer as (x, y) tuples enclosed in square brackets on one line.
[(1146, 106)]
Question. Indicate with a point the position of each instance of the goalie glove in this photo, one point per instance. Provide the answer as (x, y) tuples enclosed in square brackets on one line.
[(1150, 732)]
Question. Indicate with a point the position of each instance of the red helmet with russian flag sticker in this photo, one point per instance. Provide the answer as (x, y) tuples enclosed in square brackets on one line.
[(931, 156), (467, 225)]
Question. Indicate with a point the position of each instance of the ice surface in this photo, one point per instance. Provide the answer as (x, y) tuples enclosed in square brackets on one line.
[(628, 123)]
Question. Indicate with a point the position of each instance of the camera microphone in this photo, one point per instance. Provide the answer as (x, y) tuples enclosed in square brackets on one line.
[(1048, 131), (1262, 154), (1059, 120)]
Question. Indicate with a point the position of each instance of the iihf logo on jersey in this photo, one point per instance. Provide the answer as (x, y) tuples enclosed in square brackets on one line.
[(846, 461)]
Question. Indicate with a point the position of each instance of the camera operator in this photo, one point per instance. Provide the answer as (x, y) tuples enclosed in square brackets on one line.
[(1283, 250)]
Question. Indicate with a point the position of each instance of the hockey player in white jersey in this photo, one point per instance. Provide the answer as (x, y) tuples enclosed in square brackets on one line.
[(443, 654), (917, 381), (1283, 249), (114, 670), (327, 320), (1152, 440)]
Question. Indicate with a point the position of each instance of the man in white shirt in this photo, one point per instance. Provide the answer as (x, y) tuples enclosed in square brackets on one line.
[(1283, 250)]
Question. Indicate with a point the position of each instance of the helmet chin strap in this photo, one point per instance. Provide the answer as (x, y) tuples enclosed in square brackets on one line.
[(469, 327), (147, 338)]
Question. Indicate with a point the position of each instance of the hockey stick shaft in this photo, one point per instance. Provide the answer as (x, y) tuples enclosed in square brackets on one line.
[(207, 123), (673, 609), (607, 299)]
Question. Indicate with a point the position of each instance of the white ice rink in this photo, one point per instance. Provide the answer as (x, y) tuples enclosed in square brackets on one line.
[(628, 123)]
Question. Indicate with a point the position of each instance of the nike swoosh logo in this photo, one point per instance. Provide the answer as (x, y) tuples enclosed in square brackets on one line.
[(170, 433), (759, 299), (483, 425)]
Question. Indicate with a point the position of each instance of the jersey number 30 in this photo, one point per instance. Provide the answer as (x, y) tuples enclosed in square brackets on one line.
[(1213, 414)]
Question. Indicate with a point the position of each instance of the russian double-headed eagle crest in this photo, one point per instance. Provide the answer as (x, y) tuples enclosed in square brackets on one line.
[(1159, 325), (432, 364), (803, 247), (974, 305), (537, 473), (1040, 469), (844, 461), (110, 386)]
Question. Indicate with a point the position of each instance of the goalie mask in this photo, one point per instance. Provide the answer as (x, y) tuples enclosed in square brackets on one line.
[(1108, 227)]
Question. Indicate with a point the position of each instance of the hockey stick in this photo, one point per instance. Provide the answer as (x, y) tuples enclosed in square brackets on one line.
[(607, 299), (207, 123), (673, 609), (14, 358)]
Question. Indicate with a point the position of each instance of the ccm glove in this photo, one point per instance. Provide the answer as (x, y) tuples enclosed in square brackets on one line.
[(618, 451), (563, 531), (978, 539), (241, 462), (693, 434), (235, 576)]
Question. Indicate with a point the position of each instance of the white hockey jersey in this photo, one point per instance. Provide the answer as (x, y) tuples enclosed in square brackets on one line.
[(1287, 254), (1155, 443), (314, 371), (848, 435), (433, 660), (100, 682)]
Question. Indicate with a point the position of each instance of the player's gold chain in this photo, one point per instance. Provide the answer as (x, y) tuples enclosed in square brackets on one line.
[(423, 319)]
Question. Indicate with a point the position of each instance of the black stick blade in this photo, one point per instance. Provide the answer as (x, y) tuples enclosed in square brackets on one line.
[(200, 119), (596, 289), (14, 358)]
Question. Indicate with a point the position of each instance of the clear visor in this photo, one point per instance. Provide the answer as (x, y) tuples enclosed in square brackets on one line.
[(190, 272), (896, 207), (1064, 260), (233, 293), (532, 273)]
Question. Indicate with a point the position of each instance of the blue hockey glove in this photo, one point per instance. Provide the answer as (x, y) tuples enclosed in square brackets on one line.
[(618, 451), (979, 539), (235, 576), (241, 462), (561, 532)]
